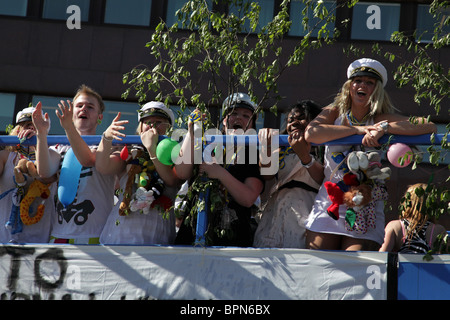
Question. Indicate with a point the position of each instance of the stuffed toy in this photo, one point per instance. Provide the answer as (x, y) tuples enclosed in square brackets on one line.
[(374, 171), (37, 189), (21, 200), (141, 200), (134, 168), (336, 190), (357, 160), (369, 163), (336, 196), (360, 218), (349, 178), (362, 173), (127, 193), (143, 185), (358, 196), (355, 199), (360, 200), (23, 167)]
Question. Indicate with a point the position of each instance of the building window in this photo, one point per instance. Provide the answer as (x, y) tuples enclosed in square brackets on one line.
[(265, 15), (314, 23), (426, 24), (375, 21), (173, 6), (128, 111), (57, 9), (13, 7), (130, 12), (7, 116)]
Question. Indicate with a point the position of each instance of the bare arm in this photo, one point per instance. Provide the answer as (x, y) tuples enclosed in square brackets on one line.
[(303, 148), (167, 173), (322, 129), (80, 148), (244, 193), (392, 237), (107, 162), (185, 162), (47, 160), (398, 124)]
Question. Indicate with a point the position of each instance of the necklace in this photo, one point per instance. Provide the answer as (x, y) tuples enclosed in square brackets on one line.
[(28, 154), (283, 153), (354, 122)]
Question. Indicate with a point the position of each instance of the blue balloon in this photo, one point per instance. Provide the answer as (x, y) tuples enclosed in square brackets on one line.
[(69, 178)]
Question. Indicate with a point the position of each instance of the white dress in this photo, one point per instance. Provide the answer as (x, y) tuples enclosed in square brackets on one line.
[(284, 214), (139, 228), (320, 221)]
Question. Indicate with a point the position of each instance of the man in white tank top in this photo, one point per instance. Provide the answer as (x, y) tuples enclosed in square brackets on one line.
[(82, 220)]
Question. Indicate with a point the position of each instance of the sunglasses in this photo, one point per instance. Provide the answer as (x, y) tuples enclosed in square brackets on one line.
[(155, 124)]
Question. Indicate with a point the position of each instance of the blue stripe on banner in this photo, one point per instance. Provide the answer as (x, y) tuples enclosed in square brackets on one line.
[(423, 281), (249, 140)]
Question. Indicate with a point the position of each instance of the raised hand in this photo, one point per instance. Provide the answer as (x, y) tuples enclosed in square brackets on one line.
[(41, 121), (66, 115), (113, 131)]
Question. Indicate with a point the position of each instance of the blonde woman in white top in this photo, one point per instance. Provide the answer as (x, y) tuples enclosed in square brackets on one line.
[(362, 107)]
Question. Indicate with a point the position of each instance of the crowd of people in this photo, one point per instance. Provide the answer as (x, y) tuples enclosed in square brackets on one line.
[(126, 194)]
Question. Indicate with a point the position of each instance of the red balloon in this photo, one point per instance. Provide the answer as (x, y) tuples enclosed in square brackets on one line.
[(124, 154)]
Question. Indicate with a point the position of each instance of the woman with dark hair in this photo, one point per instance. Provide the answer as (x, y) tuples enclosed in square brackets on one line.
[(296, 184)]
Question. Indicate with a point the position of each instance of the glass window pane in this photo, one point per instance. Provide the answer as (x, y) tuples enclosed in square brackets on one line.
[(131, 12), (7, 116), (265, 15), (314, 23), (14, 7), (57, 9), (128, 110), (426, 24), (173, 6), (375, 21)]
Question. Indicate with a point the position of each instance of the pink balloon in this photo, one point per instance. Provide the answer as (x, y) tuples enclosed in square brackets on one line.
[(396, 152)]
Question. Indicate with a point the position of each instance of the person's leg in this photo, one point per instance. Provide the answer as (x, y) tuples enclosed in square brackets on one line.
[(322, 241), (353, 244)]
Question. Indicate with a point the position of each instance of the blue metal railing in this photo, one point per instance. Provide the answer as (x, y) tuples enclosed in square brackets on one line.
[(202, 221), (250, 139)]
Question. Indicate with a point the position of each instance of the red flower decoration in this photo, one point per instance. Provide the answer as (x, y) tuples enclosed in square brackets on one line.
[(163, 201)]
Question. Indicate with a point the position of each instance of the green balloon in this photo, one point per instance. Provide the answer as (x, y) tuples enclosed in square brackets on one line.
[(166, 150)]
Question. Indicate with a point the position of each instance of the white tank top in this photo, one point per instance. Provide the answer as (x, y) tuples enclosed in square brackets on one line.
[(35, 233), (87, 214)]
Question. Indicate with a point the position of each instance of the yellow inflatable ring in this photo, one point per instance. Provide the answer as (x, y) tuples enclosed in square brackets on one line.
[(36, 189)]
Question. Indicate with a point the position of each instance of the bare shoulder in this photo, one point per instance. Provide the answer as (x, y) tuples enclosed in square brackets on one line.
[(394, 225), (328, 114)]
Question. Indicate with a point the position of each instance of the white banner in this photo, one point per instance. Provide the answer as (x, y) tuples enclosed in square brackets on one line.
[(152, 272)]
